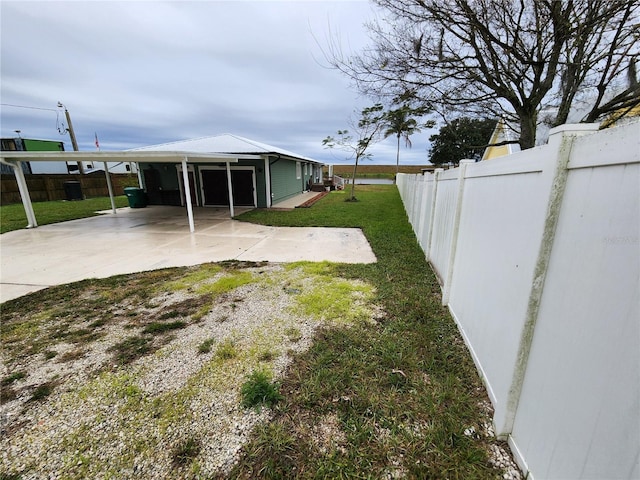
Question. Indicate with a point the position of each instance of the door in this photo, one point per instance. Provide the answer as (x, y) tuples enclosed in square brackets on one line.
[(242, 184), (153, 185), (214, 187)]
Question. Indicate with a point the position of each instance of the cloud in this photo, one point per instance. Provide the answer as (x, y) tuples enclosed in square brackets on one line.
[(146, 72)]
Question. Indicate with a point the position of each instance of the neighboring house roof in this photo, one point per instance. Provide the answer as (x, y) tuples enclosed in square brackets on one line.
[(225, 143), (501, 133)]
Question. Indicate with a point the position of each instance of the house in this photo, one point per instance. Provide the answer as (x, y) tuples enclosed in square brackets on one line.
[(58, 167), (260, 174), (31, 145), (505, 132), (497, 147)]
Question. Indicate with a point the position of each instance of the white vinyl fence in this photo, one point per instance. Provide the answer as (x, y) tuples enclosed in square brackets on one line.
[(538, 255)]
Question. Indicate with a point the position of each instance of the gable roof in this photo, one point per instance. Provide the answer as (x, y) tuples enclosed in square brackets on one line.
[(225, 143), (501, 133)]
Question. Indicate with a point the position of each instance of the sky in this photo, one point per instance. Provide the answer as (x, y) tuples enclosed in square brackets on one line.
[(139, 73)]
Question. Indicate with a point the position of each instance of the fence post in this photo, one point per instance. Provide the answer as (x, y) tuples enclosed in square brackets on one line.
[(446, 291), (436, 176), (562, 138), (424, 189)]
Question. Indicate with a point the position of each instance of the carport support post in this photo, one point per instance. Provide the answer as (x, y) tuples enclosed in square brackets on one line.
[(109, 186), (187, 194), (230, 185), (24, 194)]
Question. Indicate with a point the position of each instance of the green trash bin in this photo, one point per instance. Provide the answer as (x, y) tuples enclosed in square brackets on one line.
[(136, 196)]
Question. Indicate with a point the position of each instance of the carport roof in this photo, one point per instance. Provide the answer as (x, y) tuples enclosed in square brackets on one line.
[(225, 143), (175, 156)]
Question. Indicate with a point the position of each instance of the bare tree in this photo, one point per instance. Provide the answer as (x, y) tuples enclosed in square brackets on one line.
[(367, 129), (502, 58)]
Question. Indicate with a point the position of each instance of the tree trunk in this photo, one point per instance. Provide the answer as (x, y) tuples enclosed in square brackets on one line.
[(528, 125), (353, 179)]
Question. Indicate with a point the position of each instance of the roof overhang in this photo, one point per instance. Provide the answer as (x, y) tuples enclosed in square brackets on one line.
[(124, 156)]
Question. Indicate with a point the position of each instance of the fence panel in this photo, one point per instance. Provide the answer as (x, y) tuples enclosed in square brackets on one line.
[(504, 206), (579, 415), (545, 288), (444, 213)]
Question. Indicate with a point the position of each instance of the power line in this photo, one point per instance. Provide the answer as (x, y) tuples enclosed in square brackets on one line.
[(25, 106)]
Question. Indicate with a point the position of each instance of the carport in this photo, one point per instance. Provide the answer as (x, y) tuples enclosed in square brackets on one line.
[(15, 159)]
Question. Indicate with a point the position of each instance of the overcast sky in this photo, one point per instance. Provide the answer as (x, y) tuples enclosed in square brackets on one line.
[(143, 73)]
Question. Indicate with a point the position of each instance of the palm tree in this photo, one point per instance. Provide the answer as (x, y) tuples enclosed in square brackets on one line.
[(400, 124)]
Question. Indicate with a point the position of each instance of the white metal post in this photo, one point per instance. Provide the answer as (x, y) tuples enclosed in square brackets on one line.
[(187, 194), (230, 186), (24, 194), (109, 186)]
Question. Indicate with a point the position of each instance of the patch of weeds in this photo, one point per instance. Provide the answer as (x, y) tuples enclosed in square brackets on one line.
[(313, 268), (169, 314), (14, 377), (337, 299), (158, 327), (266, 356), (226, 283), (187, 307), (205, 347), (7, 394), (130, 349), (72, 355), (42, 391), (194, 276), (101, 322), (49, 354), (259, 390), (227, 350), (9, 476), (293, 334), (186, 451), (201, 313)]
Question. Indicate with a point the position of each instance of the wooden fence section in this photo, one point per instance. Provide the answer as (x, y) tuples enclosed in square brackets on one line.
[(538, 254), (46, 187)]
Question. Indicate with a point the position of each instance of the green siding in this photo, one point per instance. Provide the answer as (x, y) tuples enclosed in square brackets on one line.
[(284, 183), (42, 145)]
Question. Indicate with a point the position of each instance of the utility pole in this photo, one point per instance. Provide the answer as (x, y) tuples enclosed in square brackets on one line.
[(72, 134)]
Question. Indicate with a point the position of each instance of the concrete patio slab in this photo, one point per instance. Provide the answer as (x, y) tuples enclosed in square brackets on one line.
[(135, 240)]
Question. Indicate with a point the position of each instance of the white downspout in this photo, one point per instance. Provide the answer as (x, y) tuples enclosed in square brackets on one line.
[(109, 186), (230, 186), (187, 194)]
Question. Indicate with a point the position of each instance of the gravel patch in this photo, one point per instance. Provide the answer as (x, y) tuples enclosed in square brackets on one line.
[(103, 419), (174, 410)]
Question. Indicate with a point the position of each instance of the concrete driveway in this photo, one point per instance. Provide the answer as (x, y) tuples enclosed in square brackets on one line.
[(135, 240)]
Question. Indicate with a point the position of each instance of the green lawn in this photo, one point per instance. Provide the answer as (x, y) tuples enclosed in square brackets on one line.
[(405, 390), (12, 217)]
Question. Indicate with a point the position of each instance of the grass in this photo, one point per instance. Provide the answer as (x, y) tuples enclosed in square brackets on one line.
[(390, 397), (403, 390), (12, 217)]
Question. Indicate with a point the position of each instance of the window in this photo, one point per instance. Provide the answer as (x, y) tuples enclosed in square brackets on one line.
[(298, 171)]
